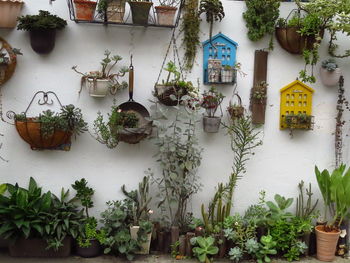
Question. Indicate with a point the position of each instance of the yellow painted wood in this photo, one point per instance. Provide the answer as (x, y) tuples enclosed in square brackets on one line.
[(296, 98)]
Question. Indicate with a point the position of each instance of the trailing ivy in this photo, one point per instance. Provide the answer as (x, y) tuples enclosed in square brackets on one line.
[(260, 17)]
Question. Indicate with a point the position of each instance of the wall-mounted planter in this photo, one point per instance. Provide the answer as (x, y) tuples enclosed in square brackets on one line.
[(36, 247), (42, 40), (330, 78), (211, 124), (9, 12), (97, 88), (166, 15), (85, 9), (140, 11), (116, 11)]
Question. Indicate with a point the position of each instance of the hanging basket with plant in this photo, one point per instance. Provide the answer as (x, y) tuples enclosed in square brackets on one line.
[(8, 60), (100, 82), (50, 130), (236, 110), (211, 101), (42, 30)]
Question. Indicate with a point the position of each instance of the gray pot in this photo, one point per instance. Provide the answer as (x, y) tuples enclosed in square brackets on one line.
[(211, 124)]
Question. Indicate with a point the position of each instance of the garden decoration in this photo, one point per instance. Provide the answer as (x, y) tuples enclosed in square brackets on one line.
[(296, 106), (258, 98), (211, 101), (85, 9), (166, 12), (140, 11), (49, 130), (8, 61), (42, 30), (330, 72), (9, 11), (111, 10), (235, 110), (99, 83), (219, 60)]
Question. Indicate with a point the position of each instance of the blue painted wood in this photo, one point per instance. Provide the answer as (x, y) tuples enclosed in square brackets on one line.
[(226, 52)]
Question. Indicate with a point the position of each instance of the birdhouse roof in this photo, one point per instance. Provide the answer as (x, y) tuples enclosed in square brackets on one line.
[(294, 83), (220, 35)]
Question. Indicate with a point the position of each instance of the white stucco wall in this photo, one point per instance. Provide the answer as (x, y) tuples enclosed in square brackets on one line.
[(278, 165)]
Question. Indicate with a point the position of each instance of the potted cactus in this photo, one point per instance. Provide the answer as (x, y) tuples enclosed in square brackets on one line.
[(100, 82), (85, 9), (9, 11), (42, 30), (330, 72), (140, 11), (166, 12), (211, 101)]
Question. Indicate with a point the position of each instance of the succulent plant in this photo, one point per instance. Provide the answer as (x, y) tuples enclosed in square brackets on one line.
[(329, 64)]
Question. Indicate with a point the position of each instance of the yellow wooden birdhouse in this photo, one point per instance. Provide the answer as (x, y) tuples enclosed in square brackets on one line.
[(296, 106)]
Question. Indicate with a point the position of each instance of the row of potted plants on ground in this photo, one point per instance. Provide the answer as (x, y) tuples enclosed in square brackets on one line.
[(42, 224)]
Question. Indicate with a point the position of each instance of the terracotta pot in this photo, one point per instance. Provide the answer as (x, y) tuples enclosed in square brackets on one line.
[(330, 78), (140, 12), (116, 11), (9, 11), (326, 243), (30, 132), (98, 88), (36, 247), (146, 245), (42, 40), (84, 9), (89, 252), (211, 124), (165, 15), (292, 41)]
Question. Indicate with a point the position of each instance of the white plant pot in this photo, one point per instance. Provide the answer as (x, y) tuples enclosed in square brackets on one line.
[(145, 246), (330, 78), (97, 87)]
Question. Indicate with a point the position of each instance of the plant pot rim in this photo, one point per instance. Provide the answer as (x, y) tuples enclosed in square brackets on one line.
[(13, 1), (97, 79), (317, 228), (87, 2), (165, 7), (141, 2)]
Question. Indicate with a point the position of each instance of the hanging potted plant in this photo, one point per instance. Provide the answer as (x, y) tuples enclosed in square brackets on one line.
[(258, 102), (140, 11), (166, 12), (112, 10), (334, 188), (211, 102), (173, 88), (42, 30), (100, 82), (330, 72), (9, 11), (8, 60), (236, 110), (50, 130), (85, 9)]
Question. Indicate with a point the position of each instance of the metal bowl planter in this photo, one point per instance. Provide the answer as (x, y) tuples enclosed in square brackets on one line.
[(166, 15), (291, 40), (165, 92), (85, 9), (9, 11), (211, 124), (140, 11)]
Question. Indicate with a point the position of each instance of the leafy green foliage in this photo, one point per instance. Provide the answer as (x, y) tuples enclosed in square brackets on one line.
[(235, 254), (204, 248), (90, 232), (211, 101), (267, 247), (84, 194), (260, 17), (44, 20), (214, 11)]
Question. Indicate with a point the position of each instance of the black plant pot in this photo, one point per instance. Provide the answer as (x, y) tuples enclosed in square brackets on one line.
[(89, 252), (42, 40)]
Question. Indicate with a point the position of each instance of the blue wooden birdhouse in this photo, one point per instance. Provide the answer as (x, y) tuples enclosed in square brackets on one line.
[(219, 59)]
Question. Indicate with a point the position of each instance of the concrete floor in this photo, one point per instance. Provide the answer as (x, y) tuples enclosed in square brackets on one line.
[(5, 258)]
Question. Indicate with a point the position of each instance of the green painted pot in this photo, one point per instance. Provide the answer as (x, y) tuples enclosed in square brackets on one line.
[(140, 12)]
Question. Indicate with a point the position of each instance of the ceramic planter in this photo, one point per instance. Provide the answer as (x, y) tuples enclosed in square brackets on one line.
[(42, 40), (165, 15), (145, 246), (97, 88), (116, 11), (326, 243), (9, 11), (228, 75), (211, 124), (36, 247), (330, 78), (140, 12), (29, 131), (85, 9), (89, 252)]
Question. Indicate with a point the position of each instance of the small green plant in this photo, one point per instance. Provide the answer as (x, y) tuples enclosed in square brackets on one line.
[(211, 100), (260, 92), (305, 210), (175, 249), (84, 194), (236, 254), (299, 121), (214, 11), (329, 64), (90, 233), (204, 248), (44, 20), (267, 247)]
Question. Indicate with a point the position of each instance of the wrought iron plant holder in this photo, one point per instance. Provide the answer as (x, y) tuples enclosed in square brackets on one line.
[(29, 128)]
